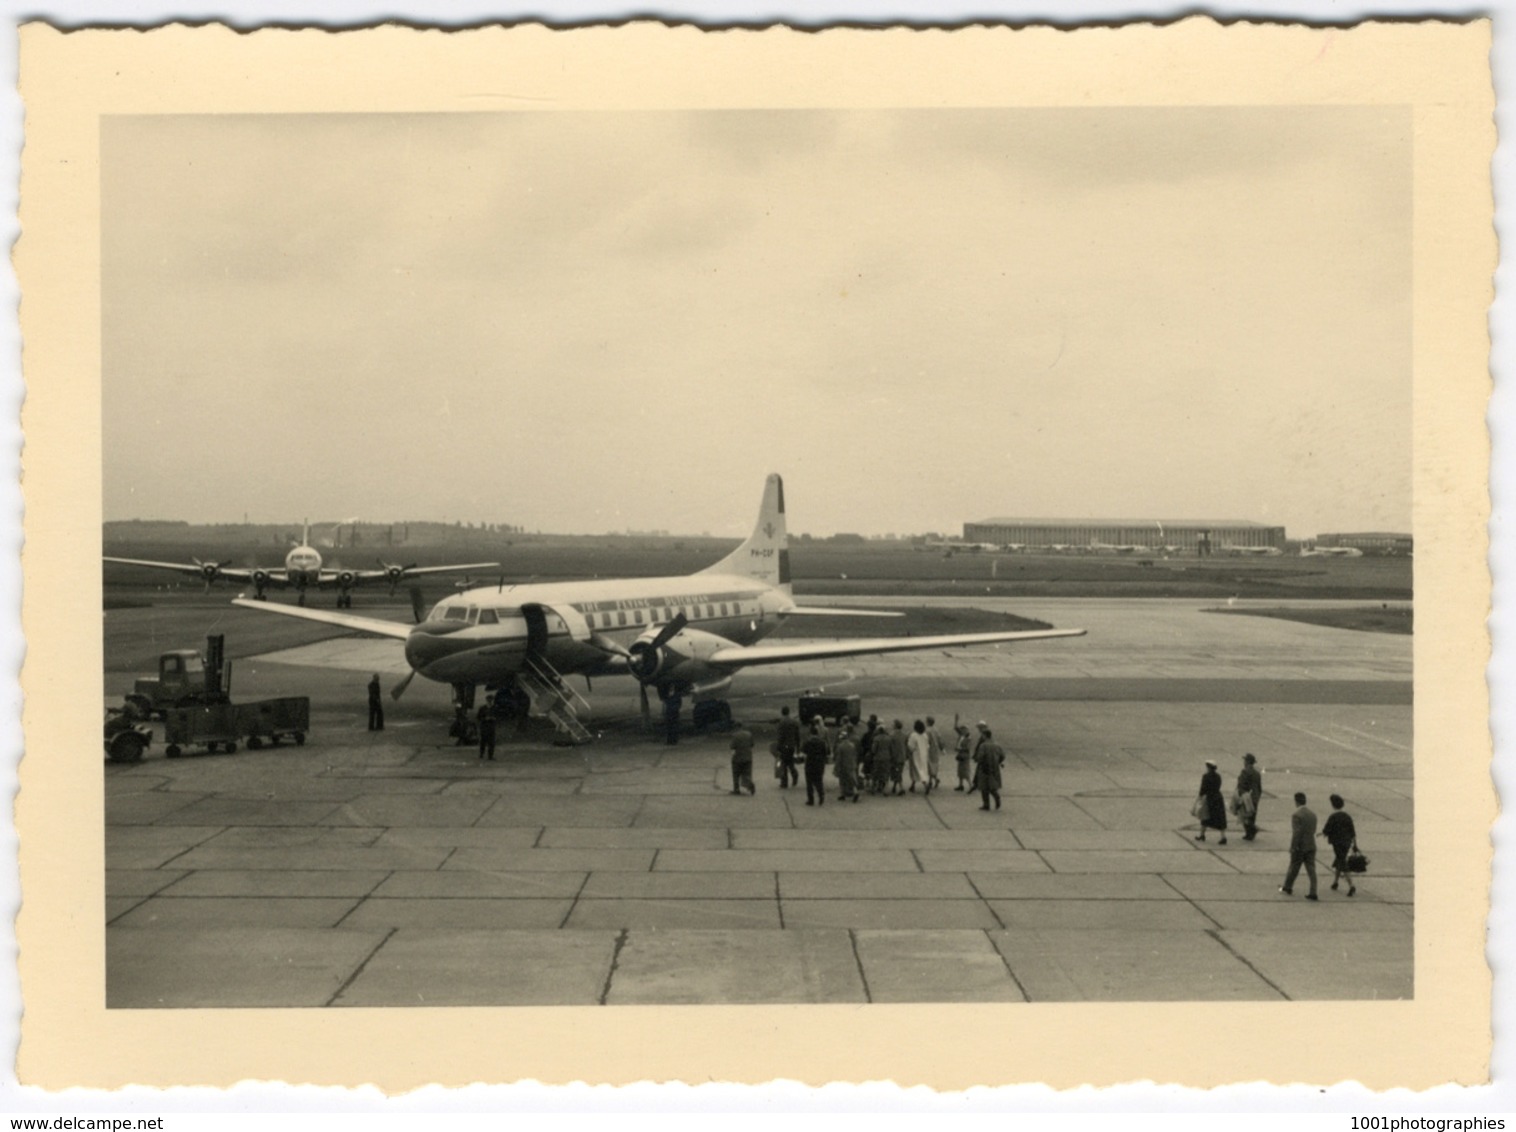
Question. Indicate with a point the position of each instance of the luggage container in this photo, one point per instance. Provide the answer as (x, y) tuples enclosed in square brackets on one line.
[(814, 706), (212, 726), (288, 717)]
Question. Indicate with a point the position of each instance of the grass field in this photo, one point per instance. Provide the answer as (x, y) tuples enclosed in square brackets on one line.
[(832, 569)]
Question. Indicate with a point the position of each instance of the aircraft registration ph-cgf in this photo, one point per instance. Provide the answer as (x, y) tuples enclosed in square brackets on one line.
[(303, 569), (681, 636)]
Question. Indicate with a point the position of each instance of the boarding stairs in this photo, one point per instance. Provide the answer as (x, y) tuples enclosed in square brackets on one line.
[(552, 698)]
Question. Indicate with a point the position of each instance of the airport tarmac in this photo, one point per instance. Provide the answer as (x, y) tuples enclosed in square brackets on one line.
[(393, 868)]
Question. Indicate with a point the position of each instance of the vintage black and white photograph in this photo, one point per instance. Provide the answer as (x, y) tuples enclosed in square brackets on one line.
[(758, 556), (829, 551)]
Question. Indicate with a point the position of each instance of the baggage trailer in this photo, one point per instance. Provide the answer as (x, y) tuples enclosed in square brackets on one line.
[(813, 705), (212, 726), (288, 717)]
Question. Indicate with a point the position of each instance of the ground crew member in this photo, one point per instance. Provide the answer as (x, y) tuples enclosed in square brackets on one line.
[(814, 750), (486, 721), (742, 761), (962, 757), (788, 743), (375, 705)]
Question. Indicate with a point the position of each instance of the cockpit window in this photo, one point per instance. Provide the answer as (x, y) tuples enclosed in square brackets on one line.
[(455, 613)]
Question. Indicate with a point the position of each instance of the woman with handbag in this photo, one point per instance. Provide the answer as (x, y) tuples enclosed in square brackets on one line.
[(1343, 839), (1209, 803)]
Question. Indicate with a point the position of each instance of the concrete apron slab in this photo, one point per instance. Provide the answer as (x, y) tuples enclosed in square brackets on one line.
[(430, 967), (934, 966), (150, 968), (736, 967)]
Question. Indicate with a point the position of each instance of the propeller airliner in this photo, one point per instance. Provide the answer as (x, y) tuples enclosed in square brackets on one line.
[(680, 636), (303, 570)]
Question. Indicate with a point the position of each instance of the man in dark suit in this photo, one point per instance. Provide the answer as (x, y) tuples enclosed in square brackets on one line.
[(1302, 848), (375, 705)]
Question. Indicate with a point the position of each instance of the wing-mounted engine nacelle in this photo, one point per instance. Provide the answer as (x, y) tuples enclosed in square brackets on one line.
[(394, 573), (345, 579), (684, 657), (260, 580)]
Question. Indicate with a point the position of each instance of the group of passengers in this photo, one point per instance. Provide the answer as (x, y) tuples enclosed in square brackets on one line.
[(882, 760)]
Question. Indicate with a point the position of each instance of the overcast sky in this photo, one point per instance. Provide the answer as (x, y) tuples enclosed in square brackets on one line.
[(597, 321)]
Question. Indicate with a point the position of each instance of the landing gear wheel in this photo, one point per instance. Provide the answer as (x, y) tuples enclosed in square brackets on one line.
[(273, 741), (172, 751), (712, 714), (299, 738), (254, 743), (229, 748)]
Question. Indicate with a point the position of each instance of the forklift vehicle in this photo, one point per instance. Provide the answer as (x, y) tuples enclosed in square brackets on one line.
[(192, 695)]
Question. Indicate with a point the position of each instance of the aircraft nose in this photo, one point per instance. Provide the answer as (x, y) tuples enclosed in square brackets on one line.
[(428, 643)]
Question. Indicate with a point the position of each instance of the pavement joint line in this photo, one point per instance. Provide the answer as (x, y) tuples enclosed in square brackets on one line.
[(358, 970), (574, 903), (1215, 933), (985, 902), (1163, 877), (141, 900), (852, 938), (1019, 843), (652, 864), (610, 974), (443, 863), (779, 902), (1008, 968), (919, 867), (541, 833)]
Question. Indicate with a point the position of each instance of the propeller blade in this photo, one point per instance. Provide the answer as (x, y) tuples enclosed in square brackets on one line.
[(669, 631), (647, 712), (399, 689), (418, 605)]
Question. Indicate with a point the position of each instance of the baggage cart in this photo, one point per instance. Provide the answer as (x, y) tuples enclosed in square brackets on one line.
[(212, 726), (288, 717), (816, 706)]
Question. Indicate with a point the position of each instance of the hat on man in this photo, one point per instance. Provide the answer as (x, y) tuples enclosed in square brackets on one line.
[(1249, 759)]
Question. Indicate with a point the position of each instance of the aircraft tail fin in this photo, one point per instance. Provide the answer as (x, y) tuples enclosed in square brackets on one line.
[(765, 555)]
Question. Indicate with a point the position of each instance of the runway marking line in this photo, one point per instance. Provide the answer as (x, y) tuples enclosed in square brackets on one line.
[(1375, 738)]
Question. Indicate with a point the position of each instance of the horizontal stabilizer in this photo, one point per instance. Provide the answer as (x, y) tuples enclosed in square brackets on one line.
[(376, 625)]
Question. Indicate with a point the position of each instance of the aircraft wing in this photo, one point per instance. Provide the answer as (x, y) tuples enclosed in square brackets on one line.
[(235, 574), (466, 568), (376, 625), (740, 656)]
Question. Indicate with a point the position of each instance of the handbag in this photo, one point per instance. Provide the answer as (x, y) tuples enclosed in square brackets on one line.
[(1357, 862), (1198, 809)]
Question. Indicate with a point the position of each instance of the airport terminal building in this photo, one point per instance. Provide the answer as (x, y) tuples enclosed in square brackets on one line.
[(1187, 534)]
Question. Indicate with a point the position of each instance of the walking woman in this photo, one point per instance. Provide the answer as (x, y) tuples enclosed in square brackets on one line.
[(1341, 836), (1214, 815)]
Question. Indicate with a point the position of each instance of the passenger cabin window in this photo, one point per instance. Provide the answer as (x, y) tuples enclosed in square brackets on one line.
[(637, 617), (620, 618), (488, 617)]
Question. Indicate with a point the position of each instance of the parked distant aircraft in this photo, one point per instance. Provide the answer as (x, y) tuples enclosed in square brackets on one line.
[(1252, 551), (681, 636), (1331, 552), (303, 570)]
